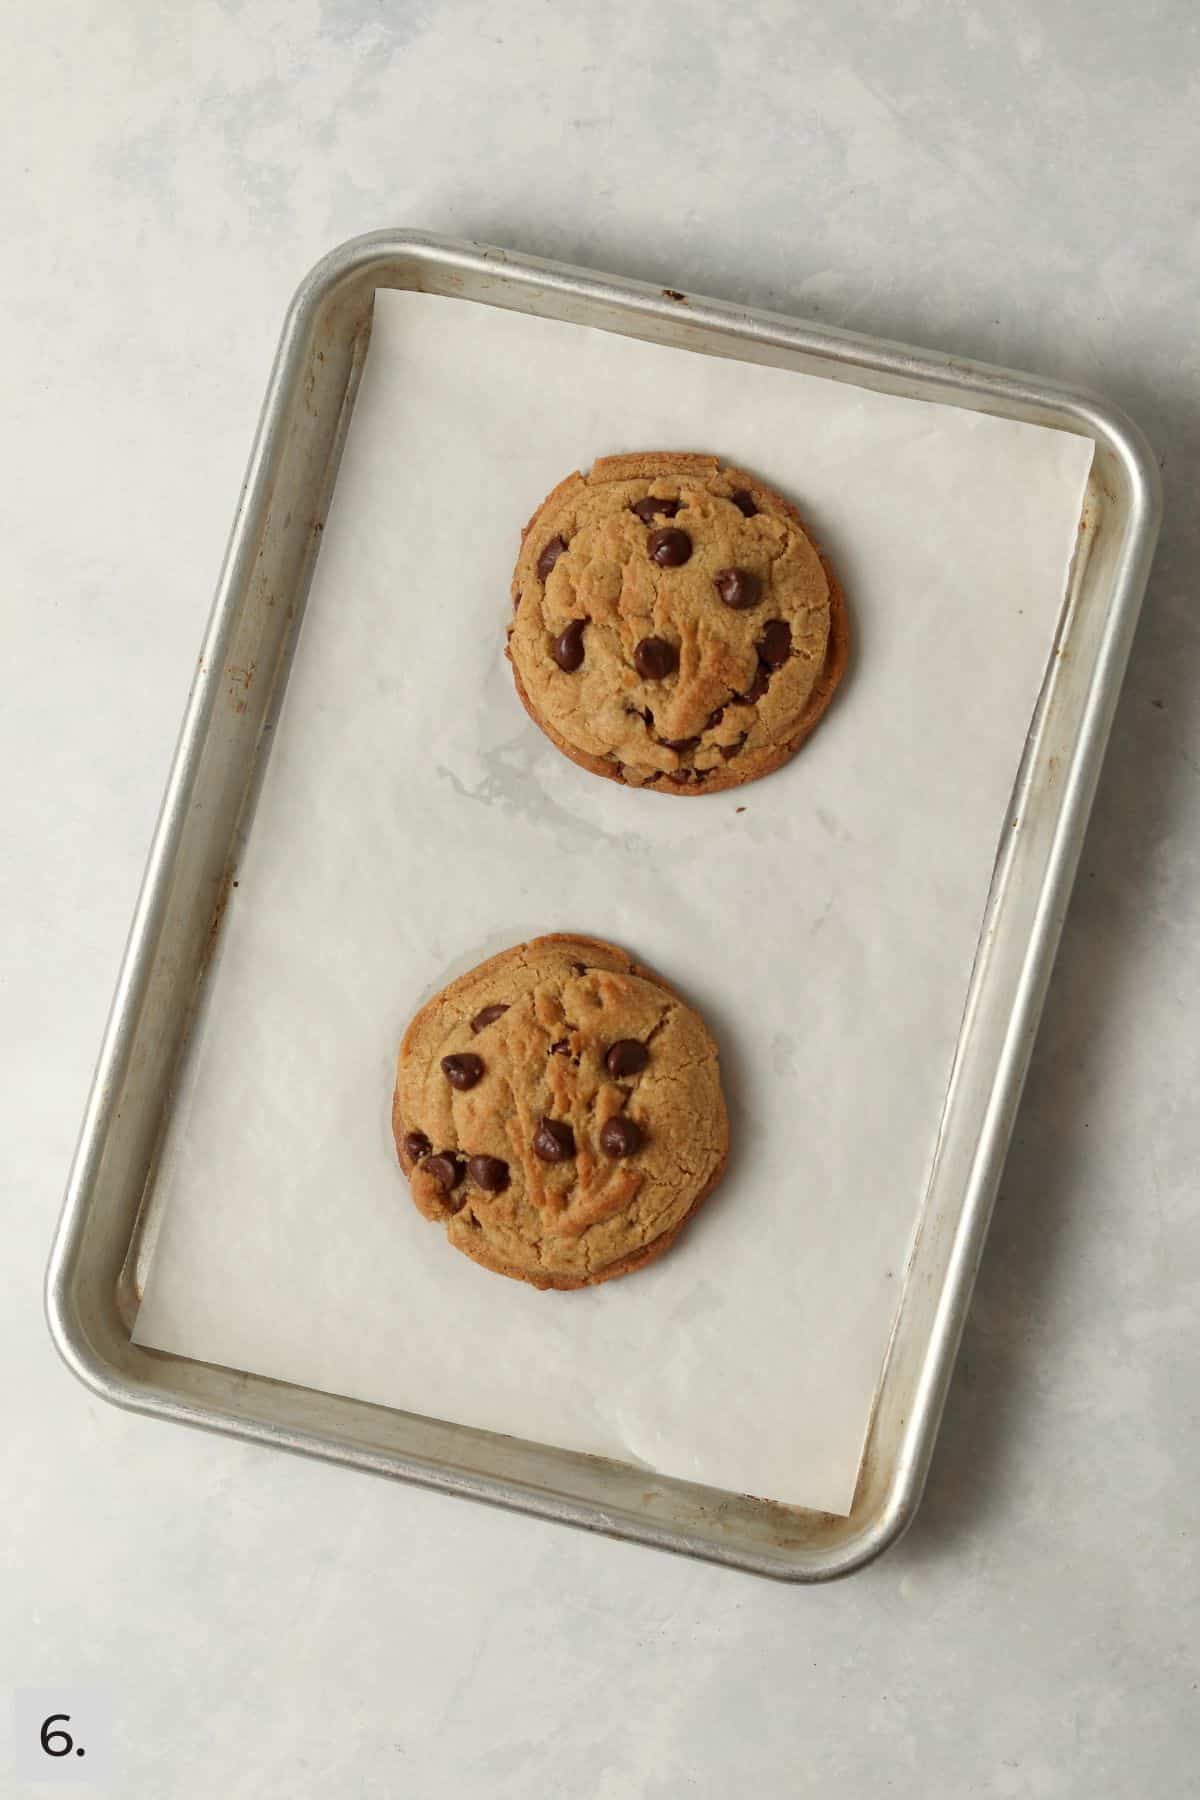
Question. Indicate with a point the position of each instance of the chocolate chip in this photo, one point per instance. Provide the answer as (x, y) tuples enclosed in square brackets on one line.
[(620, 1137), (446, 1170), (655, 659), (669, 548), (554, 1141), (680, 744), (714, 718), (562, 1048), (775, 645), (729, 751), (489, 1015), (568, 646), (416, 1145), (757, 688), (628, 1056), (744, 503), (550, 556), (579, 968), (738, 588), (462, 1072), (489, 1173), (651, 508), (681, 777)]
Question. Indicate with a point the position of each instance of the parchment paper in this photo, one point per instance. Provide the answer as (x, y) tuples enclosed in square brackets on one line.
[(413, 821)]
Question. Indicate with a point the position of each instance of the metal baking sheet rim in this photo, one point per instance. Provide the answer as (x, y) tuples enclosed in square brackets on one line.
[(105, 1235)]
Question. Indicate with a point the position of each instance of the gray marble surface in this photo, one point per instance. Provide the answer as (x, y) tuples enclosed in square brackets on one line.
[(1017, 184)]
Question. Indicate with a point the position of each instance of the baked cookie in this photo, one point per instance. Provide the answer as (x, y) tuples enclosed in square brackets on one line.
[(674, 625), (560, 1108)]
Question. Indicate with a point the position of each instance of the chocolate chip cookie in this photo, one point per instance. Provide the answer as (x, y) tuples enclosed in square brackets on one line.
[(674, 625), (560, 1108)]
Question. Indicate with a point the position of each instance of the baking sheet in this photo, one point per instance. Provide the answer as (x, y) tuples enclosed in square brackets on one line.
[(413, 821)]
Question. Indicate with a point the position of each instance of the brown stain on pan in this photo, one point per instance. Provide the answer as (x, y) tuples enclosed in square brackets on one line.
[(240, 681), (222, 901)]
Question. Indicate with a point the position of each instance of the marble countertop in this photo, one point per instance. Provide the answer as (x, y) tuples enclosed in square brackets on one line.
[(1013, 186)]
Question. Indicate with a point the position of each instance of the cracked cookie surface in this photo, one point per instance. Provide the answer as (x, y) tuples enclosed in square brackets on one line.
[(560, 1108), (674, 625)]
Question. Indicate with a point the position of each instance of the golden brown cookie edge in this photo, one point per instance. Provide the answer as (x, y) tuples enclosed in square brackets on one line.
[(649, 465), (637, 1259), (624, 1265)]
